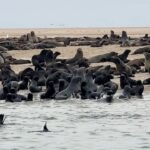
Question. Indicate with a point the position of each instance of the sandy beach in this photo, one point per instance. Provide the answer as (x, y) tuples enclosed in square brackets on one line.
[(69, 51)]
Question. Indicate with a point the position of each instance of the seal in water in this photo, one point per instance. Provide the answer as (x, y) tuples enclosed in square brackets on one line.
[(2, 119), (45, 129), (72, 87)]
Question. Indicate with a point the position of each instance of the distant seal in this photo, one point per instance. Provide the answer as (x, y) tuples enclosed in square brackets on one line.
[(124, 39), (101, 58), (147, 61), (72, 87)]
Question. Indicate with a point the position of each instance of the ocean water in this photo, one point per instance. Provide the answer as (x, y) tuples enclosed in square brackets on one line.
[(76, 125)]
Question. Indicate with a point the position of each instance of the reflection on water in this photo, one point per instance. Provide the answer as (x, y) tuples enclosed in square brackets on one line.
[(76, 125)]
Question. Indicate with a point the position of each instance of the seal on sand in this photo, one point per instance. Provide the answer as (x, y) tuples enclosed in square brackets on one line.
[(121, 67), (101, 58), (147, 61)]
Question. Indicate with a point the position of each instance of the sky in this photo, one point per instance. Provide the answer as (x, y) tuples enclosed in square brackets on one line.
[(74, 13)]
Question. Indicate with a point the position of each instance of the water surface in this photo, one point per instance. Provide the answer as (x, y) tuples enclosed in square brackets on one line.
[(76, 125)]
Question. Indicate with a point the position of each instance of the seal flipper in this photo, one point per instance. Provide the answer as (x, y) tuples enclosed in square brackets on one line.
[(45, 129)]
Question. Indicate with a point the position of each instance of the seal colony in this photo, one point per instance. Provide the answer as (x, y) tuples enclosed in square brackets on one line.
[(32, 41), (55, 78)]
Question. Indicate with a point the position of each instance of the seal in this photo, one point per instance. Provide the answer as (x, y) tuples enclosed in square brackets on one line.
[(146, 81), (72, 87), (2, 119), (147, 61), (121, 66), (126, 94), (124, 56), (142, 50), (90, 83), (24, 84), (137, 63), (138, 89), (103, 78), (78, 56), (50, 91), (102, 58), (45, 129), (123, 81), (33, 85)]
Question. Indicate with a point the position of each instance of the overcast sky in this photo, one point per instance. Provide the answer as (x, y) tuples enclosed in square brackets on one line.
[(74, 13)]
